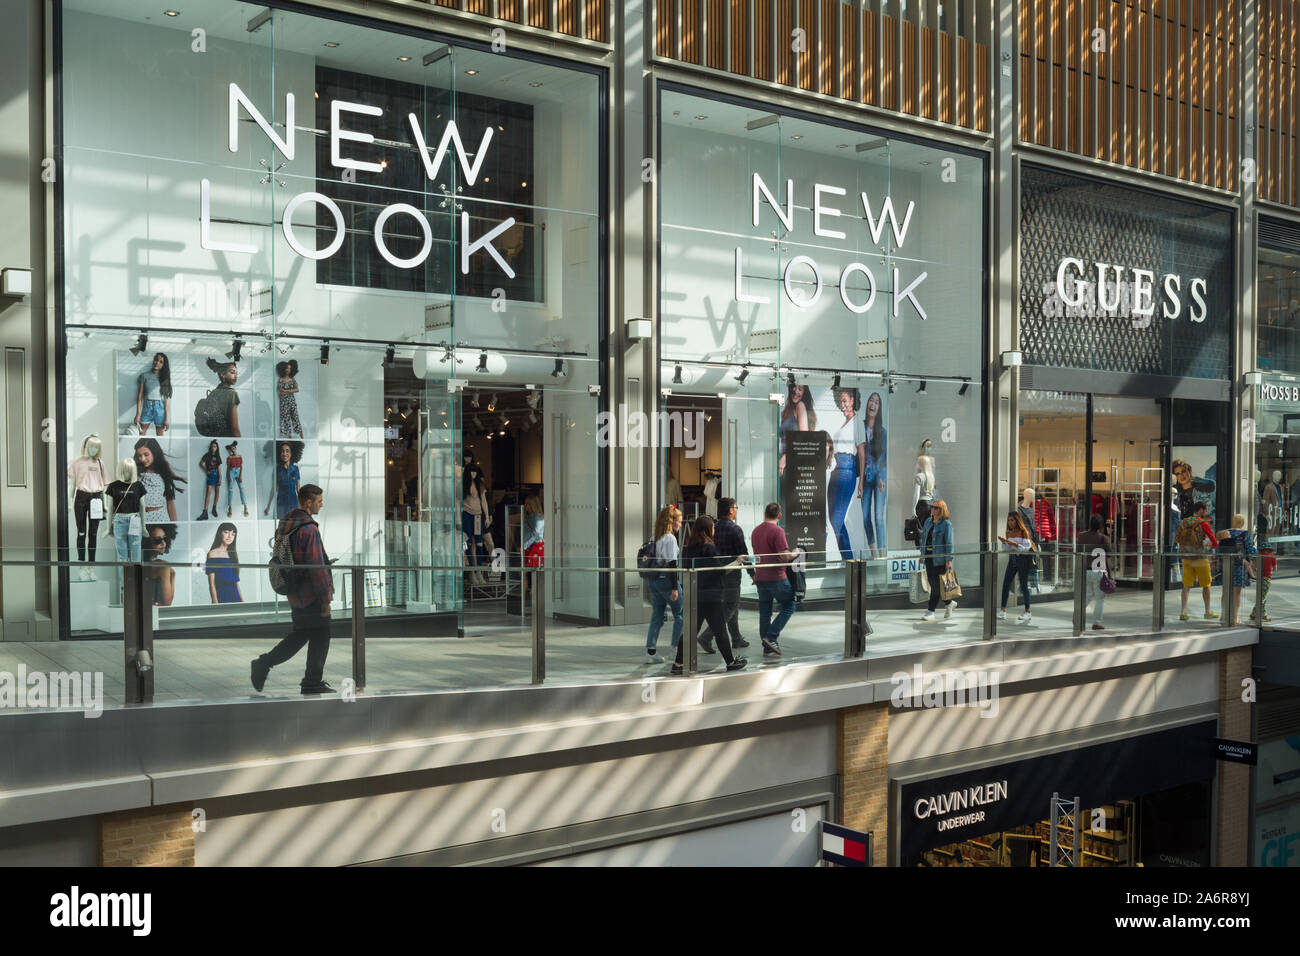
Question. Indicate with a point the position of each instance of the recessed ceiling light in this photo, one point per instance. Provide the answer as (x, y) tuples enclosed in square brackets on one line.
[(842, 146), (172, 13), (925, 162), (471, 72), (502, 128), (331, 45), (534, 85), (701, 116), (796, 136), (524, 183), (404, 59)]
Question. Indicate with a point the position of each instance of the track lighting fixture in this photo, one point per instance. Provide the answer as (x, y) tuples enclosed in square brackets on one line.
[(789, 379), (236, 347), (325, 354), (141, 344), (559, 369), (482, 362), (492, 403), (677, 376), (964, 387), (891, 387), (744, 374), (390, 357), (921, 388), (835, 383)]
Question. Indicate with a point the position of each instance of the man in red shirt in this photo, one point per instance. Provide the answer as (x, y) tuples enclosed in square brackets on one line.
[(770, 547), (310, 594)]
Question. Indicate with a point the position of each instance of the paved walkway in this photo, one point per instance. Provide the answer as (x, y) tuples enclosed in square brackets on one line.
[(496, 648)]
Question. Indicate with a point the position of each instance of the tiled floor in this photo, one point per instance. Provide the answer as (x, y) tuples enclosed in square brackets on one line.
[(496, 648)]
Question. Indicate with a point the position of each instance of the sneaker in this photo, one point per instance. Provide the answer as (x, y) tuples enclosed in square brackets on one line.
[(1184, 616), (770, 647), (1002, 615), (948, 609), (257, 672), (321, 688), (675, 670), (928, 616), (1098, 627), (1025, 618), (738, 664), (652, 658), (707, 646), (740, 642), (1211, 615)]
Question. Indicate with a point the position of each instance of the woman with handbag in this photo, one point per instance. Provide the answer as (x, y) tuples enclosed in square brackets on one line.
[(936, 546), (1021, 543), (1099, 581)]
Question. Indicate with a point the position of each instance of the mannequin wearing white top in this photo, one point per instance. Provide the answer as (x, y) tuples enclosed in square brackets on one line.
[(924, 482), (89, 479)]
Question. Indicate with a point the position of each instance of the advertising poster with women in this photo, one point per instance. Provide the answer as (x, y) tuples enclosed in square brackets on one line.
[(832, 461), (220, 449)]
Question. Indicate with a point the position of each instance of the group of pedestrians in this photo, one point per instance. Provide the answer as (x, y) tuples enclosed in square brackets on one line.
[(717, 552)]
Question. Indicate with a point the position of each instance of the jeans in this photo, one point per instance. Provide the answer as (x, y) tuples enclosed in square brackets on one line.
[(153, 412), (932, 572), (1016, 565), (233, 479), (1095, 593), (660, 588), (309, 628), (782, 593), (711, 611), (873, 508), (87, 527), (839, 495), (127, 543)]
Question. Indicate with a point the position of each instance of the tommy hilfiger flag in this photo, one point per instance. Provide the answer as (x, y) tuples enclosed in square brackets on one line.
[(844, 846)]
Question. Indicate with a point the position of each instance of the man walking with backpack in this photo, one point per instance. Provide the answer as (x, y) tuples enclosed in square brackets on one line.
[(310, 591)]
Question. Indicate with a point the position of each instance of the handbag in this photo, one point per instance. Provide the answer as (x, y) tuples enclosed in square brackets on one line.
[(1107, 583), (918, 590), (949, 589)]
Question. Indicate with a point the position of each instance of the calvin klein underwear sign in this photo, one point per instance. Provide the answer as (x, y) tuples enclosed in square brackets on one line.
[(1131, 292), (803, 268), (973, 803), (450, 138)]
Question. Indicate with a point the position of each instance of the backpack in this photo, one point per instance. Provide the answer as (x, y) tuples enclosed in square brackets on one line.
[(279, 567), (647, 561), (208, 419), (1189, 535)]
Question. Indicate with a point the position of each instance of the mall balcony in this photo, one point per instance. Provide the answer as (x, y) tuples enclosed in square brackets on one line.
[(470, 688)]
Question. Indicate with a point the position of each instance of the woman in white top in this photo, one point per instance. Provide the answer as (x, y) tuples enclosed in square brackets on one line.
[(664, 592), (846, 452), (1021, 545), (475, 517)]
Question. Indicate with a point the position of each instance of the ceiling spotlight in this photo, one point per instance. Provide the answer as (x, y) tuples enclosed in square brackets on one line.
[(921, 387), (559, 369), (891, 388), (744, 374), (835, 383), (789, 379), (171, 13), (492, 403), (390, 357), (325, 354), (502, 432), (236, 347), (471, 72), (701, 116), (534, 85), (482, 362), (677, 376), (474, 403), (403, 59), (964, 387), (332, 45), (141, 344)]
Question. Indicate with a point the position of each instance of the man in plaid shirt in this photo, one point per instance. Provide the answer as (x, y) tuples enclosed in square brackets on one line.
[(729, 539), (310, 594)]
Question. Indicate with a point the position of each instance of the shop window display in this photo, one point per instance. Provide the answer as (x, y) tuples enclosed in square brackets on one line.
[(827, 282), (210, 296)]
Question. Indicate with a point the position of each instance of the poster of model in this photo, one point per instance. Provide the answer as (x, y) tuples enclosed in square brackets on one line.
[(847, 426)]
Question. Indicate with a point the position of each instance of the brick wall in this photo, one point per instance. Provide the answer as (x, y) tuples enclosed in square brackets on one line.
[(154, 836), (863, 764), (1233, 841)]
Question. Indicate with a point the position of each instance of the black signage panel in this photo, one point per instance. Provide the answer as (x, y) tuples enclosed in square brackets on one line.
[(1236, 751), (803, 487), (975, 802)]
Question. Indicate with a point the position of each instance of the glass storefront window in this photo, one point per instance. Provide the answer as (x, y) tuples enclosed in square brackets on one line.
[(323, 227), (822, 278), (1278, 311)]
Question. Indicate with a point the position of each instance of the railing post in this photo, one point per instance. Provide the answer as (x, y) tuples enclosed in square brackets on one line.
[(358, 628), (1227, 611), (1159, 577), (537, 593), (1260, 582), (856, 627), (1080, 591), (690, 620), (990, 593), (137, 636)]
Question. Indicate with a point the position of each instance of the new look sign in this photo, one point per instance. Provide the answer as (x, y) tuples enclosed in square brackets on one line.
[(339, 135)]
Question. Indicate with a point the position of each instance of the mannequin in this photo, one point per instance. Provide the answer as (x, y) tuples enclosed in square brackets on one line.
[(475, 516), (127, 496), (923, 483), (89, 480), (1275, 518)]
